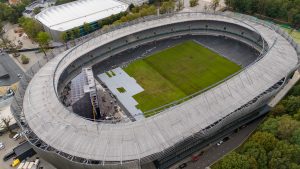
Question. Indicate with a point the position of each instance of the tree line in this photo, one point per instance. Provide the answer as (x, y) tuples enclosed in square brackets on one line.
[(133, 13), (285, 10), (11, 13), (275, 144)]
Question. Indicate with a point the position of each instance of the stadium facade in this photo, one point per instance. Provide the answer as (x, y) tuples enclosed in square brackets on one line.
[(69, 142)]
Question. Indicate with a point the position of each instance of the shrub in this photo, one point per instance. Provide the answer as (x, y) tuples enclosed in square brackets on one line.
[(194, 3), (24, 59)]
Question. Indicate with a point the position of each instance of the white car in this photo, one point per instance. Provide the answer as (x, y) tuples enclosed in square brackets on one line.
[(16, 137), (1, 146), (219, 143)]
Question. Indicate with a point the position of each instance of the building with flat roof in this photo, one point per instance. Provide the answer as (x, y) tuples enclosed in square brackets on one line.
[(61, 18)]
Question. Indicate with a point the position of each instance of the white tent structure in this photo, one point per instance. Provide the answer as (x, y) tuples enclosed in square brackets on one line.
[(64, 17)]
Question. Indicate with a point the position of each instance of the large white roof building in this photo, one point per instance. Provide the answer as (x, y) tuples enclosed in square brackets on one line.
[(64, 17)]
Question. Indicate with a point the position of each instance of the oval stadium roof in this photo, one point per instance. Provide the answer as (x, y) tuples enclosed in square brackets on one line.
[(74, 14), (53, 123)]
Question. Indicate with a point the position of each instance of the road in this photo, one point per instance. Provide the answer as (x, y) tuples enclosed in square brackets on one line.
[(11, 67), (214, 153)]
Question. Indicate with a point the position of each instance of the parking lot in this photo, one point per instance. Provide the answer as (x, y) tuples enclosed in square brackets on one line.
[(9, 144)]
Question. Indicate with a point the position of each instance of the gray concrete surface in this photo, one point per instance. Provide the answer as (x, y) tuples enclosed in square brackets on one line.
[(12, 68)]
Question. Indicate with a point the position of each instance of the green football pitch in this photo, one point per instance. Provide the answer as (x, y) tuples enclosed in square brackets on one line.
[(176, 72)]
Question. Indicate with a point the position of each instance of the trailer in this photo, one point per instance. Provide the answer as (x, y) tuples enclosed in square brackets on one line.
[(24, 151)]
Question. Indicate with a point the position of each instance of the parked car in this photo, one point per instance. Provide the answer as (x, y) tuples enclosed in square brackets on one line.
[(16, 137), (9, 156), (219, 143), (183, 165), (19, 75), (225, 139)]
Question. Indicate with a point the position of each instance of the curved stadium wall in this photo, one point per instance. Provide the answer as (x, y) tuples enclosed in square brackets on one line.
[(53, 128)]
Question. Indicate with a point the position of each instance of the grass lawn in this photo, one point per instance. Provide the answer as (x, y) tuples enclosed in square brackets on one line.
[(121, 89), (295, 34), (177, 72)]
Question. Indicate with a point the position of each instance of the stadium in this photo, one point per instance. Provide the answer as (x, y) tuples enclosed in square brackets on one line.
[(264, 58)]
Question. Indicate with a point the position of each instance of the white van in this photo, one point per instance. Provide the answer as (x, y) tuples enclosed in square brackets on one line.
[(30, 166), (25, 165), (37, 162), (21, 165)]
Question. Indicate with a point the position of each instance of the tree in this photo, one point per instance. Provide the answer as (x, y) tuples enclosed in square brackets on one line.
[(131, 6), (292, 104), (236, 161), (76, 32), (194, 3), (36, 10), (8, 13), (297, 115), (270, 126), (284, 154), (87, 27), (59, 2), (295, 91), (278, 110), (167, 7), (266, 140), (214, 4), (286, 10), (30, 26), (295, 138), (180, 5), (296, 20), (286, 127), (43, 39), (294, 166), (3, 40), (255, 150), (64, 38), (5, 124)]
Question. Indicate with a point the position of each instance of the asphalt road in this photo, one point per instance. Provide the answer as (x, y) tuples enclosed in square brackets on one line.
[(11, 67), (214, 153)]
